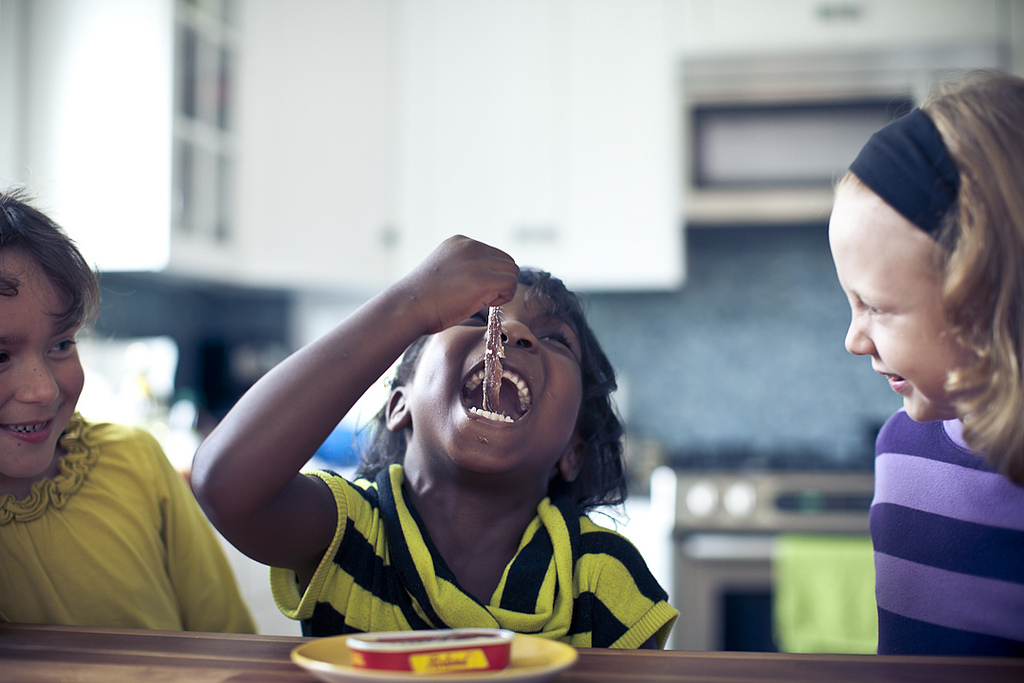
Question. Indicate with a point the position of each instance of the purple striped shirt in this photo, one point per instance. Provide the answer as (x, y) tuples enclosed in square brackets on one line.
[(948, 532)]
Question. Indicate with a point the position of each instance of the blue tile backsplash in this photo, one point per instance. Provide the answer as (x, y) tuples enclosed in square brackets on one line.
[(749, 354), (747, 357)]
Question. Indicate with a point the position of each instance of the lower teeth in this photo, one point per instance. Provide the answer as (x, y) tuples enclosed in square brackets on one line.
[(491, 416)]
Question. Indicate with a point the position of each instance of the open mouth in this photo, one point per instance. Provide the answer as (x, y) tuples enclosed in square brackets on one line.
[(514, 399)]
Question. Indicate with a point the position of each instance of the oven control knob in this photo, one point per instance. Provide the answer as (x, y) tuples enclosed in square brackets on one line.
[(702, 498), (739, 499)]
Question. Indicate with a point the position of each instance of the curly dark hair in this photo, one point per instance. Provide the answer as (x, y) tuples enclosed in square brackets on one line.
[(601, 480), (25, 228)]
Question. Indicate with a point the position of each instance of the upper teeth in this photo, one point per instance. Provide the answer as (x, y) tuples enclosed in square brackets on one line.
[(26, 429), (477, 379)]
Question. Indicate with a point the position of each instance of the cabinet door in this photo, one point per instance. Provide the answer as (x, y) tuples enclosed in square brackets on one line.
[(623, 158), (478, 108), (546, 128), (315, 147), (95, 123)]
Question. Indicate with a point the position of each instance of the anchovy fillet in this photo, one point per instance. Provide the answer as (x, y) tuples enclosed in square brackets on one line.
[(492, 360)]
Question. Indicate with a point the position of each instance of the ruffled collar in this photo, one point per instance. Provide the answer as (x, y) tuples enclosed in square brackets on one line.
[(78, 459)]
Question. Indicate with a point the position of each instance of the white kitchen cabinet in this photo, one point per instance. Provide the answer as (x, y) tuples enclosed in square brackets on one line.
[(205, 232), (95, 128), (330, 144), (238, 141), (545, 127), (99, 123), (314, 125), (743, 28)]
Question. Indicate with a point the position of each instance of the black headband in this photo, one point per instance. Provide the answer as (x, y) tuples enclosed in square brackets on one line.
[(907, 165)]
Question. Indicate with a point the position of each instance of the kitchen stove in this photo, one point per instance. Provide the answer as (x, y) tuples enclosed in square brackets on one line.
[(725, 525), (776, 502)]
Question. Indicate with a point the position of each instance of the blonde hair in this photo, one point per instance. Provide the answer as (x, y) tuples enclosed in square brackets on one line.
[(980, 116)]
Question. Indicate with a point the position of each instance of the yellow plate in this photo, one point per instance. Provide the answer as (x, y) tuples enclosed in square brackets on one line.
[(533, 660)]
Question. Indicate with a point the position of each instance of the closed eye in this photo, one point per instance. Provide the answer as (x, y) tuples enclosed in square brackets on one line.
[(560, 338), (873, 310), (863, 306), (63, 348)]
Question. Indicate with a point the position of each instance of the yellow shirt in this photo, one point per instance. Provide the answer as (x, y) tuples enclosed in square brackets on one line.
[(116, 539), (571, 580)]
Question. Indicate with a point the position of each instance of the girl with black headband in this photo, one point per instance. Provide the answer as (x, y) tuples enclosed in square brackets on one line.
[(927, 234)]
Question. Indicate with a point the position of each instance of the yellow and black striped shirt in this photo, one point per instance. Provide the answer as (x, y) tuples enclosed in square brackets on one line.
[(571, 580)]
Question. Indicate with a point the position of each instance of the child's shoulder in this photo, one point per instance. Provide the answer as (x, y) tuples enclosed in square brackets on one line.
[(588, 525), (606, 552), (127, 448), (109, 434), (349, 490), (594, 535)]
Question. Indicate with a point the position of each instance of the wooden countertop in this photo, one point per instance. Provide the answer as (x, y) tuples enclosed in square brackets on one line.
[(41, 654)]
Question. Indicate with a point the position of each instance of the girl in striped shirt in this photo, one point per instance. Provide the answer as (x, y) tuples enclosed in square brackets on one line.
[(927, 235), (461, 515)]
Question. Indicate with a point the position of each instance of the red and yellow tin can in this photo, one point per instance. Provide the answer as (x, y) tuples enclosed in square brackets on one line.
[(441, 651)]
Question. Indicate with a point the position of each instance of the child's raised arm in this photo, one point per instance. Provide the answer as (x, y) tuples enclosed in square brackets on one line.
[(246, 473)]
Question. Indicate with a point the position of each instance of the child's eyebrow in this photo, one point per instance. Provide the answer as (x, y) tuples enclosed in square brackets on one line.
[(15, 339), (11, 340), (563, 319)]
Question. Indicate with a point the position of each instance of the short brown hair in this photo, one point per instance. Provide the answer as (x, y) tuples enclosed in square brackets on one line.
[(25, 228)]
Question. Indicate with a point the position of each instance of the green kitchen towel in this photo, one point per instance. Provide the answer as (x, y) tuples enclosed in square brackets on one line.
[(825, 594)]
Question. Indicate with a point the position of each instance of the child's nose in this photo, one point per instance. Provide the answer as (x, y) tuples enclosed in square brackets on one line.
[(516, 333), (857, 341), (37, 384)]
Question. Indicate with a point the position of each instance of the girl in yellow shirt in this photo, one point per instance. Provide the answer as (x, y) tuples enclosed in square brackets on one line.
[(96, 527)]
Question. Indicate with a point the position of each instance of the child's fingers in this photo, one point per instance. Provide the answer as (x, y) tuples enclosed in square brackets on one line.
[(498, 276), (462, 276)]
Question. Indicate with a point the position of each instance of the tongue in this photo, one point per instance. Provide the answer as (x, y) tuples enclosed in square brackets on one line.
[(508, 400)]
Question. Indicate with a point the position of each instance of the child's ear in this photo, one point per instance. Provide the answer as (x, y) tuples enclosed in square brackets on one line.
[(397, 413), (571, 462)]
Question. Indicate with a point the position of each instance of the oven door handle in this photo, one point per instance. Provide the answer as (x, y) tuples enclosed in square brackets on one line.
[(729, 547)]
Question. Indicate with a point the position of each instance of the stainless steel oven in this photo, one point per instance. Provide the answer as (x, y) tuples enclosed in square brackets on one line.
[(725, 529)]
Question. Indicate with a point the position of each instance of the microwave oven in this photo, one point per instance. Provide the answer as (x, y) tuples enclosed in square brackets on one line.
[(766, 139)]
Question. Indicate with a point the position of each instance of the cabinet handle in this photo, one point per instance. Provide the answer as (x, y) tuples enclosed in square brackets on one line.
[(389, 236), (534, 233), (839, 11)]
